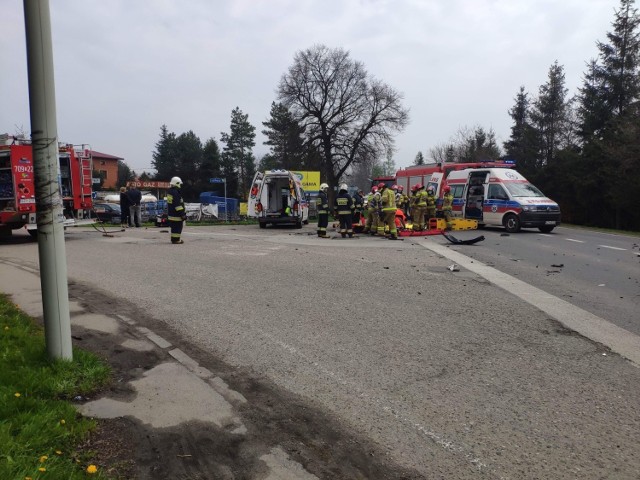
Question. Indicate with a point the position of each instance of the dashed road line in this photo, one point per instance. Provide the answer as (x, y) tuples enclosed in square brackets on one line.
[(613, 248), (574, 240)]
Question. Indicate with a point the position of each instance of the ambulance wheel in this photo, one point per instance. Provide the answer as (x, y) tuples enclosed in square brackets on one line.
[(263, 225), (306, 222), (511, 223), (546, 228), (299, 224)]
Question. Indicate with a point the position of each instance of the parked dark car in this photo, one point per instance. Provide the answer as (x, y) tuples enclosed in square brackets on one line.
[(107, 212)]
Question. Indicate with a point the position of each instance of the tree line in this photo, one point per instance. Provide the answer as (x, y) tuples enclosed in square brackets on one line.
[(333, 116), (581, 150)]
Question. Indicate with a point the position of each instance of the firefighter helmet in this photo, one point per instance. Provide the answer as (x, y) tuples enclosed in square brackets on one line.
[(446, 189), (419, 186), (324, 187), (394, 187), (400, 188), (374, 189), (176, 182), (343, 186), (382, 185)]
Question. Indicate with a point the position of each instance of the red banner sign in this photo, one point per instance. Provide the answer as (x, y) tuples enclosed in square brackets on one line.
[(148, 184)]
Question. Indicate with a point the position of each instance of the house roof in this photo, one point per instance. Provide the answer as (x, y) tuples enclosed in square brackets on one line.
[(106, 156)]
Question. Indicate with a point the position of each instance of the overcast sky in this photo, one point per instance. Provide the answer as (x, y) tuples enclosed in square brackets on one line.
[(125, 67)]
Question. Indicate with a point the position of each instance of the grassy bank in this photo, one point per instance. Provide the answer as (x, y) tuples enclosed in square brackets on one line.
[(39, 427)]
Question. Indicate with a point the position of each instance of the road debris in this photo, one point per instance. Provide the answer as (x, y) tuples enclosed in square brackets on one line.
[(455, 241), (453, 267)]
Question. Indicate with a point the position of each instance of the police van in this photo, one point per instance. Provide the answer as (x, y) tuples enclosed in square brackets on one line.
[(277, 197), (498, 196)]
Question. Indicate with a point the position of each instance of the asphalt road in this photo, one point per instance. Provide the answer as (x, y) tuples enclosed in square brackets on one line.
[(450, 375), (599, 272)]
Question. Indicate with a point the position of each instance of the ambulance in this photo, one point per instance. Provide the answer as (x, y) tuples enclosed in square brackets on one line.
[(277, 197), (497, 196)]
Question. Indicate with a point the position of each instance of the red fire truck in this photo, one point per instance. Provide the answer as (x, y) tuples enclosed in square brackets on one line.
[(17, 184)]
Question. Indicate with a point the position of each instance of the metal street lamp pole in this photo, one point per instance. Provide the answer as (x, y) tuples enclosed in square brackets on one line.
[(50, 217)]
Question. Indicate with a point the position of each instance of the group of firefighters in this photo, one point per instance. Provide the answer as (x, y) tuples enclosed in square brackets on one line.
[(380, 209)]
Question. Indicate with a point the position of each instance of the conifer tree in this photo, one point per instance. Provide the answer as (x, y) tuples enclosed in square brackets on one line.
[(284, 136), (522, 145), (164, 157), (238, 162), (549, 114)]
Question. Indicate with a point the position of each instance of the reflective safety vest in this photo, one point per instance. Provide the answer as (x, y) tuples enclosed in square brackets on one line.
[(431, 200), (175, 205), (322, 203), (447, 204), (344, 204), (373, 201), (421, 198), (388, 200)]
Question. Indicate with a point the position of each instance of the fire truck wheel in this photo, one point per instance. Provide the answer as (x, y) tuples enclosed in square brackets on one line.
[(511, 223), (33, 233)]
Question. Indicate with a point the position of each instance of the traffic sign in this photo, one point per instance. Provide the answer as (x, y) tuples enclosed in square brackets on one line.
[(216, 180)]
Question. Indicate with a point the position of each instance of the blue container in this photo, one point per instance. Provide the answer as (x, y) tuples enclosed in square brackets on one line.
[(230, 208)]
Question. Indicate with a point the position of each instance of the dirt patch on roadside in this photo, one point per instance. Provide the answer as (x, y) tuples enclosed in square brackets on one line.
[(124, 448)]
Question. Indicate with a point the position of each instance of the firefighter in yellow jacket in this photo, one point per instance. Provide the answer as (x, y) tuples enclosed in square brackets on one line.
[(420, 208), (388, 204), (431, 205), (447, 206), (373, 199)]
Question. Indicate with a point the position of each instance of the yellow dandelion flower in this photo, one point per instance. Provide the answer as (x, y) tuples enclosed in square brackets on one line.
[(58, 452), (6, 327), (62, 422), (91, 469), (43, 458), (42, 469), (28, 478), (17, 395)]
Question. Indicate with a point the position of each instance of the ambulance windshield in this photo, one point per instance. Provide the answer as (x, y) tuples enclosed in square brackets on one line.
[(523, 190)]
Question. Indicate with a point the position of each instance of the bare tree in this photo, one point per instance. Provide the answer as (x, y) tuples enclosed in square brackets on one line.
[(347, 114), (467, 145)]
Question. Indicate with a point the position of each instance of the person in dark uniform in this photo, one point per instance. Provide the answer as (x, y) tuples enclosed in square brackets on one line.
[(322, 205), (358, 204), (175, 209), (135, 206), (344, 210), (125, 216)]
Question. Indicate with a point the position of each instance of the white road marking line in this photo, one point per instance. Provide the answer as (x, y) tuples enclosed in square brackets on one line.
[(613, 248), (621, 341), (574, 240), (545, 235)]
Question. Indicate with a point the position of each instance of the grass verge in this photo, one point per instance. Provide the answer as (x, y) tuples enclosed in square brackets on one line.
[(39, 427)]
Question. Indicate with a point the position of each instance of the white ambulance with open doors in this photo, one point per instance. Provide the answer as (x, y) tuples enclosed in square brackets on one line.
[(277, 197), (498, 196)]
